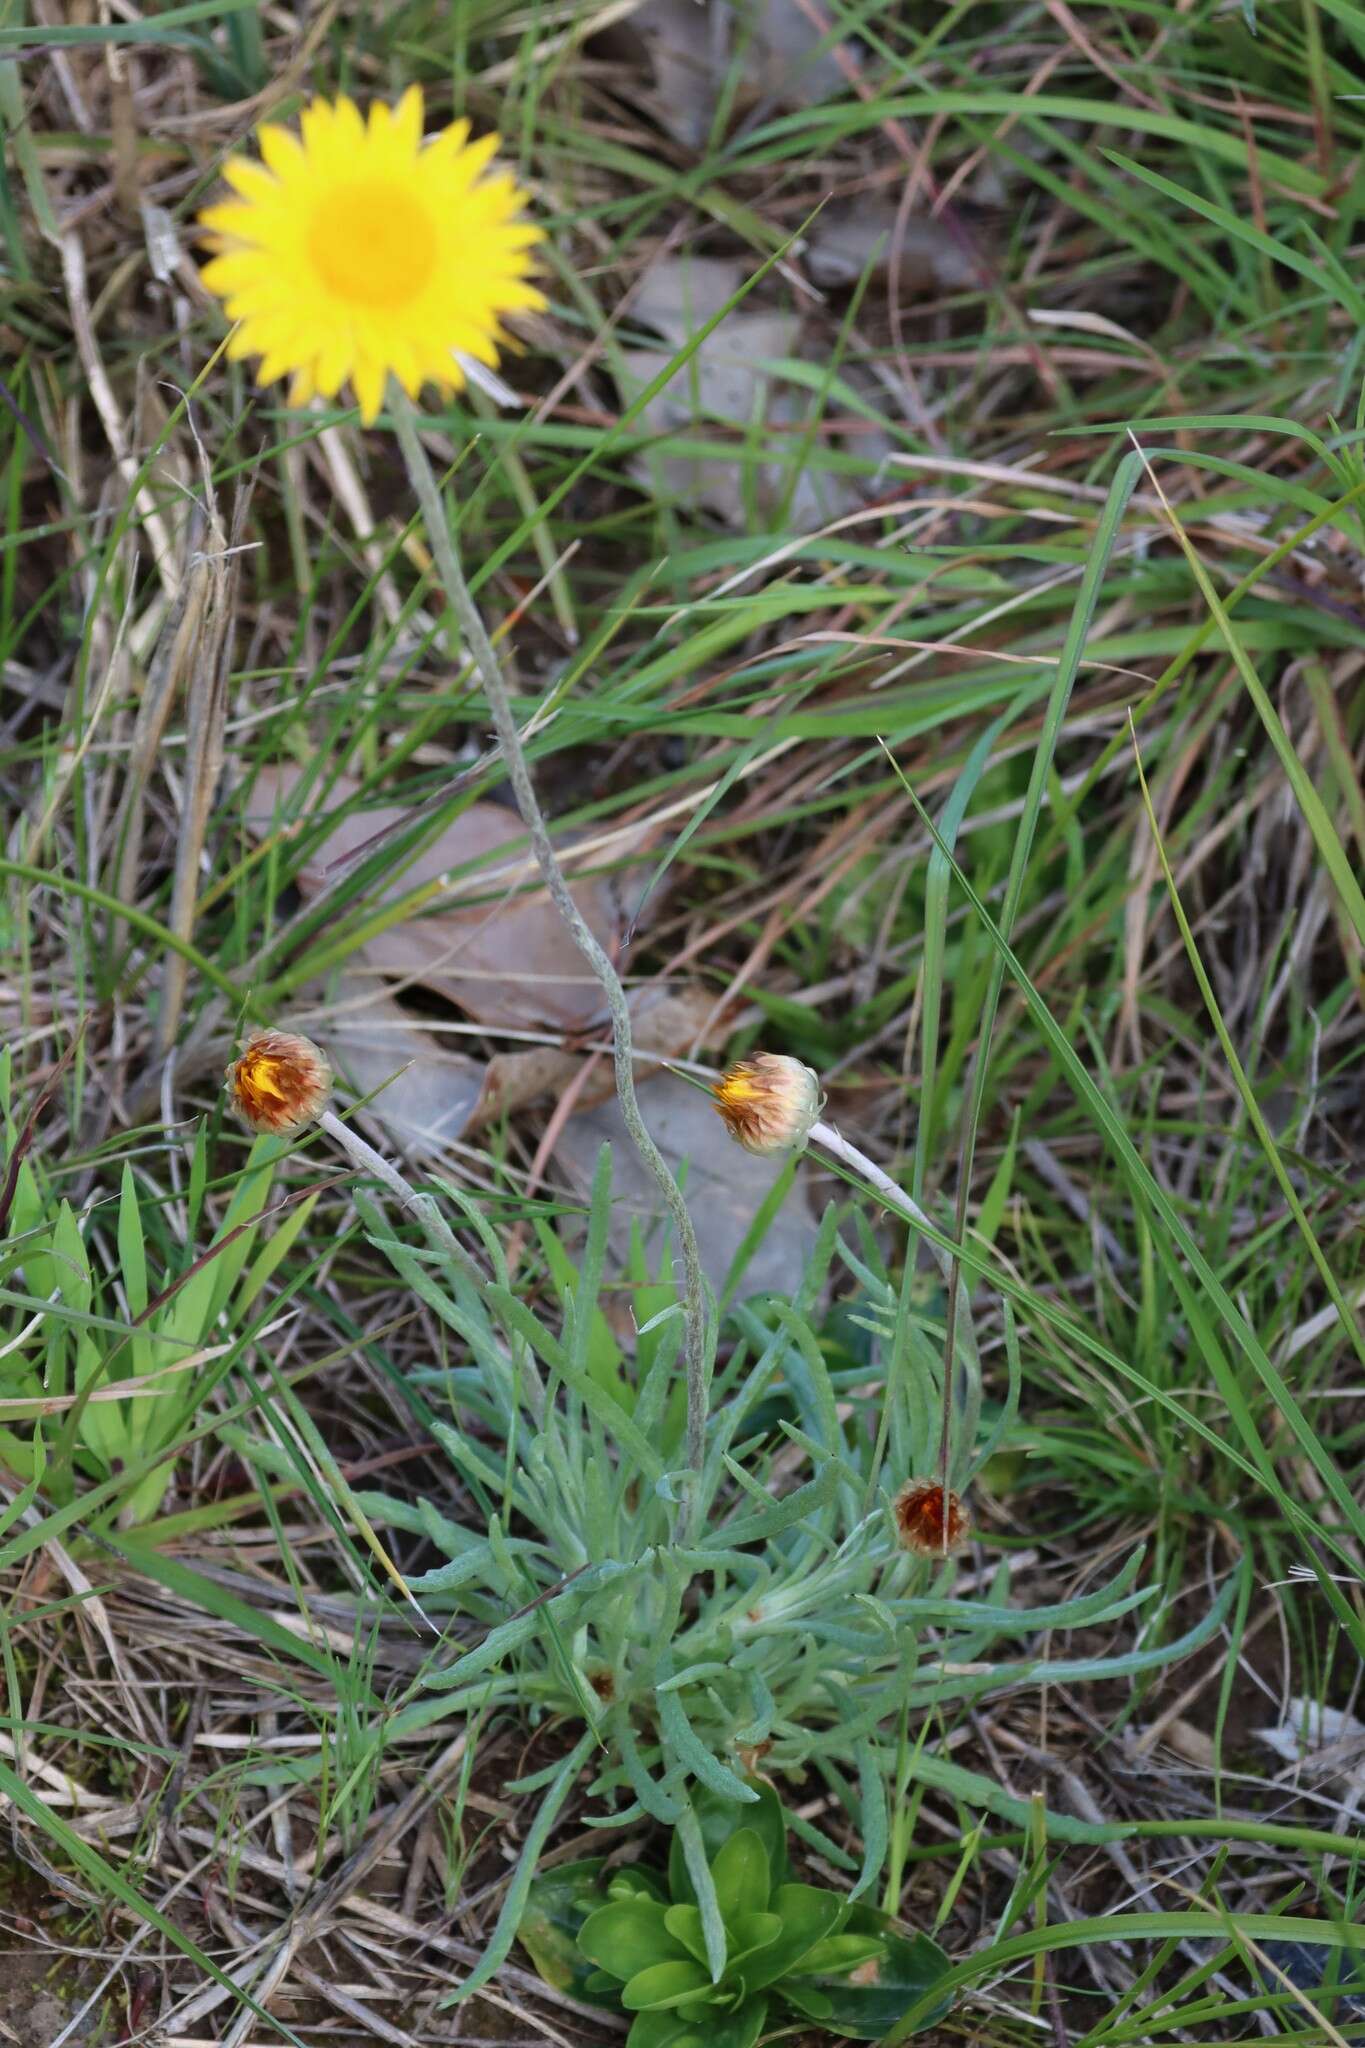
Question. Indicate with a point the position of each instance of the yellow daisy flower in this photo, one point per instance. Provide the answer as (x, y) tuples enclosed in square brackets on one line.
[(357, 249)]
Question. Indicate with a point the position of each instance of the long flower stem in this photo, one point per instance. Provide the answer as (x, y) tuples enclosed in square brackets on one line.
[(523, 789)]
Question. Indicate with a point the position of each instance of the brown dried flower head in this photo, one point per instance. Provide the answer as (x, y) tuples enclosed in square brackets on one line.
[(768, 1103), (929, 1520), (279, 1083)]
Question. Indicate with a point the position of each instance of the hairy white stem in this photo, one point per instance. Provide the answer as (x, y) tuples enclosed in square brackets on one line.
[(426, 1213), (425, 1210)]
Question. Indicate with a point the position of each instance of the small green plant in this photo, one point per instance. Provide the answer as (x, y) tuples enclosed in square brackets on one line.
[(113, 1328), (702, 1965), (794, 1624)]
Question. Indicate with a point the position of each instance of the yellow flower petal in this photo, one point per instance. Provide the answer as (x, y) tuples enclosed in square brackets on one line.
[(407, 119), (451, 140), (252, 180), (350, 125), (277, 364), (318, 125), (333, 366), (225, 272), (223, 219), (398, 129), (368, 379), (281, 151), (279, 1083)]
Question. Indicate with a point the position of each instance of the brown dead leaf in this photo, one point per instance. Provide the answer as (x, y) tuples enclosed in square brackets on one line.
[(507, 959), (678, 294), (1189, 1742), (511, 1080), (725, 386), (425, 1089), (845, 238), (1316, 1735)]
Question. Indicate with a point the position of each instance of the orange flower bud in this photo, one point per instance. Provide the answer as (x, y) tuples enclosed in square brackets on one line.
[(279, 1083), (930, 1521), (768, 1103)]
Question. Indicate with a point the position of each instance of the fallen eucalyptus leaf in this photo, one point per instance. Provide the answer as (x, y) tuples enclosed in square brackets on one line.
[(691, 46), (426, 1090), (1314, 1734), (670, 1023), (506, 960), (845, 238)]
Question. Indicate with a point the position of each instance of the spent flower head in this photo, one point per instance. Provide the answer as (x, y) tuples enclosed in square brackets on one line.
[(768, 1103), (930, 1520), (279, 1083), (358, 249)]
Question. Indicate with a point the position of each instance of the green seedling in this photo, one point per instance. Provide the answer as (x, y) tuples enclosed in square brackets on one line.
[(725, 1943)]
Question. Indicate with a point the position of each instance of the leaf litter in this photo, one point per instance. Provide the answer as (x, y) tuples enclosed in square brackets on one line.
[(731, 384), (725, 1186), (507, 959), (734, 391), (690, 46)]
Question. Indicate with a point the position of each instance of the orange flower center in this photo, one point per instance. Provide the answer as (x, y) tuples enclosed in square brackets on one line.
[(373, 243), (260, 1075)]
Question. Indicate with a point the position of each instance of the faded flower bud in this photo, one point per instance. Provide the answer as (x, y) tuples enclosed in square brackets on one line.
[(769, 1102), (279, 1083), (929, 1520)]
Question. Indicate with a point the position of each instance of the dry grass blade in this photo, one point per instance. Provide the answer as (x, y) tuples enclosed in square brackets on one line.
[(207, 656), (111, 416), (742, 583), (180, 637), (313, 1916)]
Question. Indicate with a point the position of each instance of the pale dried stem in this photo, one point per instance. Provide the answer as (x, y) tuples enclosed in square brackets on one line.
[(426, 1213)]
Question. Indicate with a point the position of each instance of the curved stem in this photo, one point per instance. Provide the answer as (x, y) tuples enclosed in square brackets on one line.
[(839, 1148), (523, 789)]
